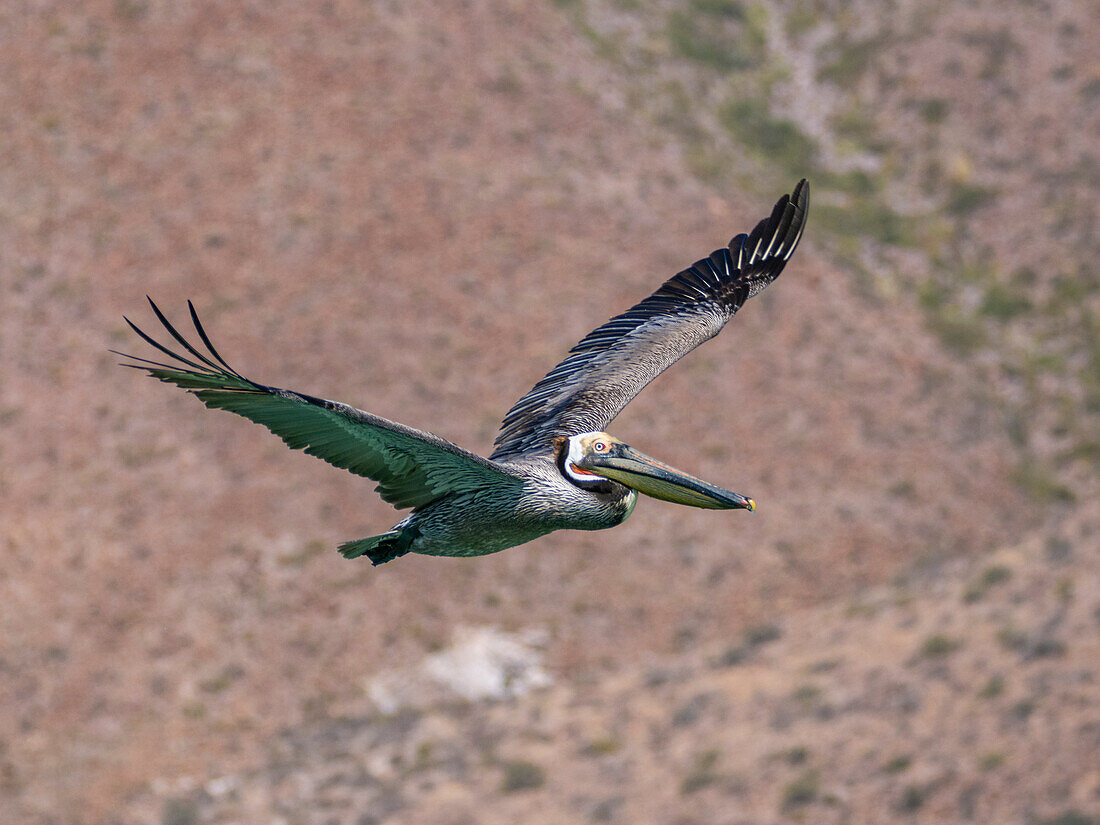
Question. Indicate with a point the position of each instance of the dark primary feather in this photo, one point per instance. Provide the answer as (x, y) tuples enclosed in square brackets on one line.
[(613, 363), (412, 467)]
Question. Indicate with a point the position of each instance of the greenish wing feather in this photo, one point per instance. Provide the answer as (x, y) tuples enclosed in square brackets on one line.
[(412, 467)]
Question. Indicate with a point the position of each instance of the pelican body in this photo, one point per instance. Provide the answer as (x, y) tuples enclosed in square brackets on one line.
[(553, 466)]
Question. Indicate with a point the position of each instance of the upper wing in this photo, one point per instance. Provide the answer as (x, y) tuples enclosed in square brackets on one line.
[(612, 363), (411, 467)]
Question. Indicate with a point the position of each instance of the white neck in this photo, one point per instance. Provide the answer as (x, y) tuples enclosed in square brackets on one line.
[(573, 458)]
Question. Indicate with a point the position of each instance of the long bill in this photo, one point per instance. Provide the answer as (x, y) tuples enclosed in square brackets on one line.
[(647, 475)]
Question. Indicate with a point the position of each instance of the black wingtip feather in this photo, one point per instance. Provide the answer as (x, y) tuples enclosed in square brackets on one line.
[(204, 367), (145, 363), (152, 342), (777, 236), (206, 340), (183, 342)]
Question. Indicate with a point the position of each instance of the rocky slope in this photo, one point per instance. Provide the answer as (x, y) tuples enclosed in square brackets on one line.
[(418, 212), (964, 693)]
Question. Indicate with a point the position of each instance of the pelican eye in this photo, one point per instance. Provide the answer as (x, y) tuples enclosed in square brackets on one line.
[(600, 446)]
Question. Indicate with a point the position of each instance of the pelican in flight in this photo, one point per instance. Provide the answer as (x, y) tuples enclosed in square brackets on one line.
[(553, 467)]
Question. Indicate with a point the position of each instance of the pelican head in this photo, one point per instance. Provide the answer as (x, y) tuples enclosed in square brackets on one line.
[(589, 457)]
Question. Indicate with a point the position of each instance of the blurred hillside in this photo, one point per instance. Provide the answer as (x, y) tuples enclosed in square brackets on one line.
[(418, 212)]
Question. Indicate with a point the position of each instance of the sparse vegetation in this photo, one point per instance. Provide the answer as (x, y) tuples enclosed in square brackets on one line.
[(780, 141), (849, 61), (858, 132), (1070, 818), (133, 456), (1000, 47), (898, 763), (180, 811), (806, 694), (1011, 638), (604, 746), (912, 798), (793, 756), (991, 577), (1036, 480), (964, 198), (699, 41), (1063, 590), (802, 18), (1023, 709), (688, 714), (423, 758), (702, 773), (761, 634), (904, 488), (754, 637), (868, 218), (934, 110), (520, 775), (309, 551), (731, 9), (1004, 303), (1058, 549), (959, 331), (938, 646), (801, 791), (991, 760), (996, 574), (993, 688), (224, 678)]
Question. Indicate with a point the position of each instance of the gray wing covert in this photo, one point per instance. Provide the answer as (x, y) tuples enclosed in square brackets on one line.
[(612, 364)]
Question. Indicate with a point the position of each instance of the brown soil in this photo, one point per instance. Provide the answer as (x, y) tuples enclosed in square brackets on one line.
[(418, 212)]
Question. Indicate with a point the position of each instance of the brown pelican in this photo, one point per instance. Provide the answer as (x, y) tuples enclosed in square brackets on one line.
[(553, 467)]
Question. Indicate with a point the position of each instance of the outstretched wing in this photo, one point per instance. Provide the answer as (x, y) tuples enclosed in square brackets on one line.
[(411, 467), (613, 363)]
